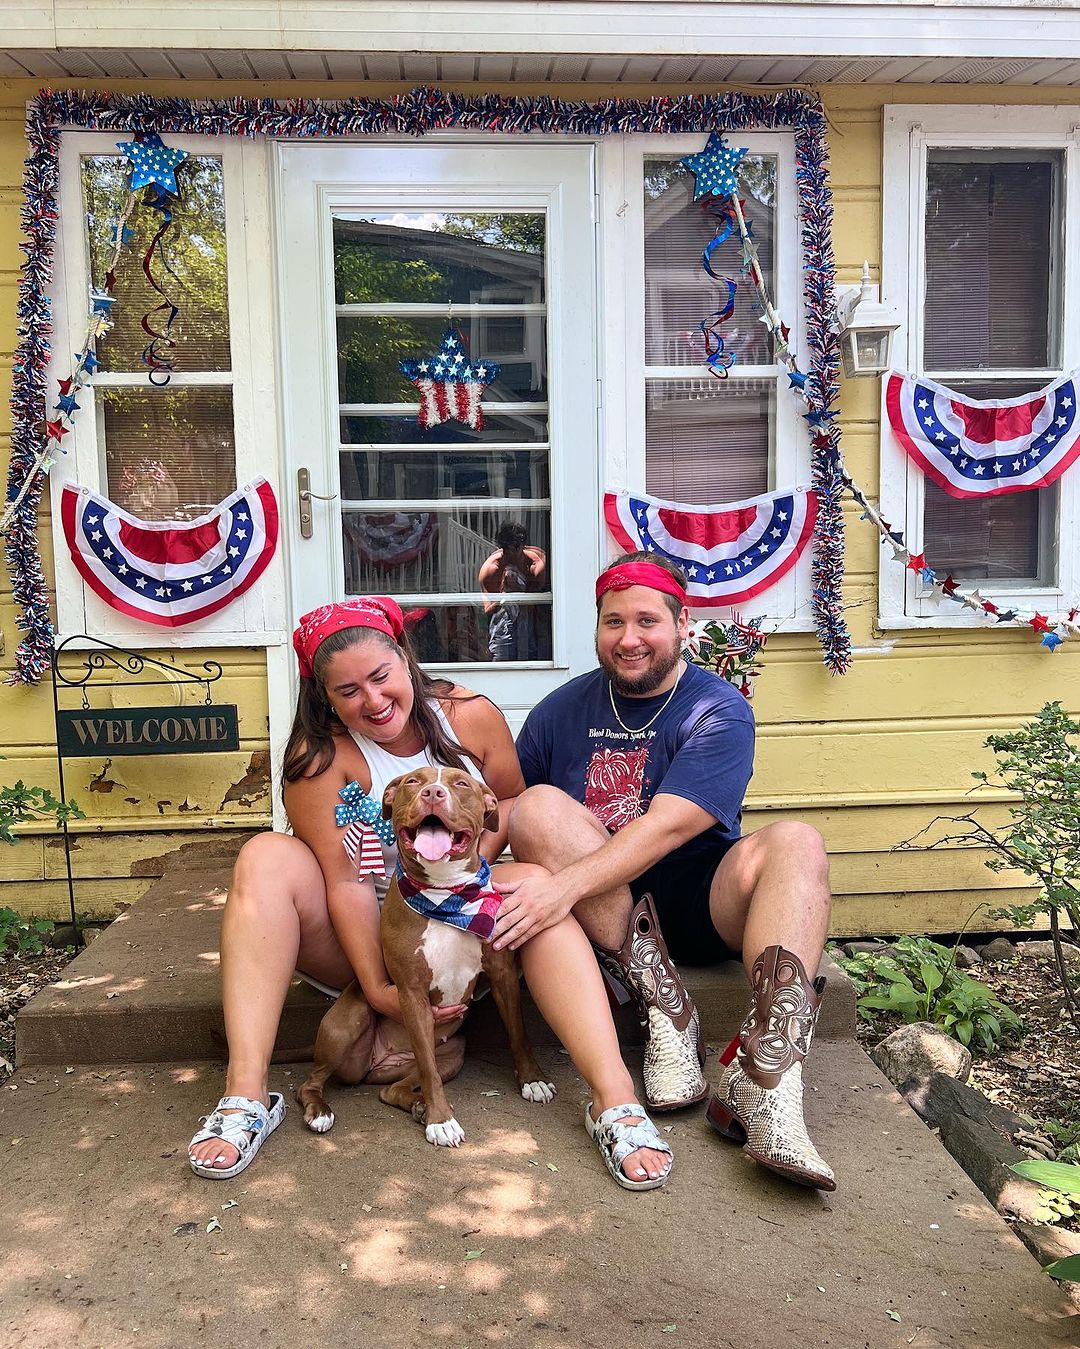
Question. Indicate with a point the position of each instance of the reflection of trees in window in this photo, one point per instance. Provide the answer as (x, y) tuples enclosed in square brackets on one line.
[(192, 267), (459, 259), (519, 233)]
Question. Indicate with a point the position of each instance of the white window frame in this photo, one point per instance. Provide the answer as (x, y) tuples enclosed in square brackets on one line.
[(909, 132), (786, 605), (256, 618)]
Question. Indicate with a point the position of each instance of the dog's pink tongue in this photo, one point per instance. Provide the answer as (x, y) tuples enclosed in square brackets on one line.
[(432, 842)]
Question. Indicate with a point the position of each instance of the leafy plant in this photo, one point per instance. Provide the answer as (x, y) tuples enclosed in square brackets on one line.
[(1040, 765), (21, 805), (917, 980), (27, 936), (1063, 1180)]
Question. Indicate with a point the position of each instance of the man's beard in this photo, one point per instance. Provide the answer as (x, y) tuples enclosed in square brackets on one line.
[(650, 679)]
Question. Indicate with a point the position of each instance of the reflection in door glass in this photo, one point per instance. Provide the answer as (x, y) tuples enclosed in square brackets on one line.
[(454, 522)]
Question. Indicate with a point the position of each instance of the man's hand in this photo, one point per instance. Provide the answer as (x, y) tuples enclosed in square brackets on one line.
[(387, 1002), (529, 907)]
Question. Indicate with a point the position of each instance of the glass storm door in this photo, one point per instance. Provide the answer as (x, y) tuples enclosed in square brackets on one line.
[(473, 499)]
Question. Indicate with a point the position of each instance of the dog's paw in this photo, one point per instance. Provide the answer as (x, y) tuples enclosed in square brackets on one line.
[(448, 1135), (322, 1123), (540, 1093)]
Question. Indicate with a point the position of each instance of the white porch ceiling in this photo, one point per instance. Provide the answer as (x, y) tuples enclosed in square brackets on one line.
[(455, 68), (661, 42)]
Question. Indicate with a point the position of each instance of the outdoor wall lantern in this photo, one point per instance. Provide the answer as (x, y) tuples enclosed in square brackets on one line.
[(866, 328)]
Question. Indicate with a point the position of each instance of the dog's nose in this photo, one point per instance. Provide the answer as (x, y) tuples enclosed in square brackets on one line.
[(434, 791)]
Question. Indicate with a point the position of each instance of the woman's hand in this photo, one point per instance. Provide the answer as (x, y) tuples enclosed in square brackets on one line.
[(529, 906), (387, 1002)]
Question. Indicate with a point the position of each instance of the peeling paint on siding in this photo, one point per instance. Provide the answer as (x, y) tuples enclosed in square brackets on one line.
[(254, 785), (101, 783)]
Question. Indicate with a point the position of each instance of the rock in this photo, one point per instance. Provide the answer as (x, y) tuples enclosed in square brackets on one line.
[(997, 950), (911, 1055), (1048, 1244), (855, 948), (1045, 950), (967, 958), (986, 1157), (946, 1097)]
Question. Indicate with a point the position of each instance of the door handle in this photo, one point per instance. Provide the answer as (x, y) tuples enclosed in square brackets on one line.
[(305, 496)]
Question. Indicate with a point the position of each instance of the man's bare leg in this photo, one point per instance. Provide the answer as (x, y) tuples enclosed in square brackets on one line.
[(553, 830), (770, 897), (772, 889)]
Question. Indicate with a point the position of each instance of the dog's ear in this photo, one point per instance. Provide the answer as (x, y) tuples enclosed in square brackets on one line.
[(389, 794), (491, 805)]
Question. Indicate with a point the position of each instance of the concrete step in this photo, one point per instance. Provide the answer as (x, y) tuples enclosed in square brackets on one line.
[(147, 990)]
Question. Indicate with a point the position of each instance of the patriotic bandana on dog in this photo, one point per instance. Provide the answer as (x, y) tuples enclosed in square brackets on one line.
[(471, 906)]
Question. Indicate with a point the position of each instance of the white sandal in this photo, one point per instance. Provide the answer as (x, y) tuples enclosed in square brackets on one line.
[(245, 1129), (617, 1141)]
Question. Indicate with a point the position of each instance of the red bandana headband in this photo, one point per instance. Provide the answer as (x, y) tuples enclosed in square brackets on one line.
[(372, 611), (629, 574)]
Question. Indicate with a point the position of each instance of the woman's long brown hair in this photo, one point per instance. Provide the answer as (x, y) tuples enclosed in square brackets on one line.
[(311, 740)]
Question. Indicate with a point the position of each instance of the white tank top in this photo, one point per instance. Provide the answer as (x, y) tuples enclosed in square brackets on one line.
[(384, 767)]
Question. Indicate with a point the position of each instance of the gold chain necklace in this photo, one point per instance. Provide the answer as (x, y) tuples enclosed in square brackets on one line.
[(637, 730)]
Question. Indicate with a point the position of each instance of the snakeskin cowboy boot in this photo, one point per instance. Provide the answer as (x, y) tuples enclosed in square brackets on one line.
[(674, 1046), (759, 1099)]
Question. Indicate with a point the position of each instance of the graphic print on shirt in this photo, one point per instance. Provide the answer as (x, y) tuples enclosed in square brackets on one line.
[(613, 783)]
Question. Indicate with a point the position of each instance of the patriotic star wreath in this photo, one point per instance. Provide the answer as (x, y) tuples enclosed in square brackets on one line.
[(171, 572)]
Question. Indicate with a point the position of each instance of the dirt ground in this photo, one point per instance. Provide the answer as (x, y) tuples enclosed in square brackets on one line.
[(1035, 1073), (20, 978)]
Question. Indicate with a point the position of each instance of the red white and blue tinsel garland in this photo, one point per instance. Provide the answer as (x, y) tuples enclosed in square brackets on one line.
[(729, 553), (415, 113), (171, 572)]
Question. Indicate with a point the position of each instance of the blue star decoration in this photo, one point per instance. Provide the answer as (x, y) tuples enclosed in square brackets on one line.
[(152, 162), (715, 168), (450, 384)]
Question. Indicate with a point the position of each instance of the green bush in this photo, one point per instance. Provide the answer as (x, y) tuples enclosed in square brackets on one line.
[(1039, 766), (920, 982), (21, 805), (27, 936)]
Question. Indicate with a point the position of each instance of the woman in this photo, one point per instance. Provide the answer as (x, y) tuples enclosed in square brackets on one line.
[(367, 712)]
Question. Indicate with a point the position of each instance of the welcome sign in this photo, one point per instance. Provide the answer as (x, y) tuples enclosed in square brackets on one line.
[(148, 730)]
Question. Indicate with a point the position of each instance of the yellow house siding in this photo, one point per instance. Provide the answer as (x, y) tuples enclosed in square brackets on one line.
[(869, 758)]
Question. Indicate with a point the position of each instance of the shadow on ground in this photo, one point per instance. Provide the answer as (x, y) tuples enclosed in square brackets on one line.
[(371, 1236)]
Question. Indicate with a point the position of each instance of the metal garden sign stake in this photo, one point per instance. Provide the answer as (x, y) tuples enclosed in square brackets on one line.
[(85, 732)]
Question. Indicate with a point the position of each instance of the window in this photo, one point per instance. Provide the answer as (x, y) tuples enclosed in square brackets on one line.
[(686, 435), (166, 451), (976, 253)]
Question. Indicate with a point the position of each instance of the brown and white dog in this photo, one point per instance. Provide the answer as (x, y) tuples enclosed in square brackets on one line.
[(439, 815)]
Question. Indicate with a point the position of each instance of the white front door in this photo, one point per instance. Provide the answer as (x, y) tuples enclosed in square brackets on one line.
[(487, 537)]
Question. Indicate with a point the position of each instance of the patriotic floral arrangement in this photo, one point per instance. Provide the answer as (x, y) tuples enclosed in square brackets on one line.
[(730, 650)]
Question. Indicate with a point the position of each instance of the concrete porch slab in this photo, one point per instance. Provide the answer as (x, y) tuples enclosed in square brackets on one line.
[(147, 990), (368, 1235)]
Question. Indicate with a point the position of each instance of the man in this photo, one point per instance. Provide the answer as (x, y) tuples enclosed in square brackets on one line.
[(636, 774), (517, 567)]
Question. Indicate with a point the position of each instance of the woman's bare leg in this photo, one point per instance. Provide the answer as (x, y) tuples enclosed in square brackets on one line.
[(275, 920), (563, 976)]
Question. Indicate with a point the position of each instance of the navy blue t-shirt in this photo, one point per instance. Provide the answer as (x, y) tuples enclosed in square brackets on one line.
[(700, 747)]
